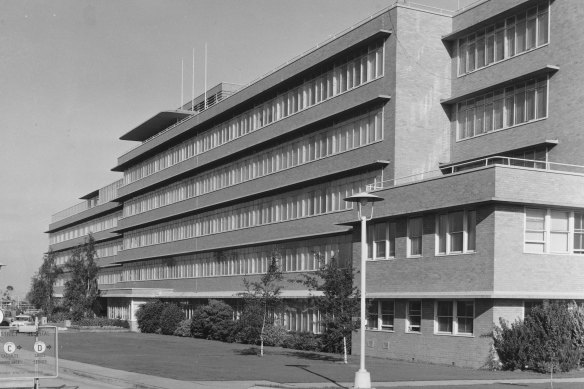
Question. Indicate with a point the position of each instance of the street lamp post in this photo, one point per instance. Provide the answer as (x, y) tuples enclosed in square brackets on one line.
[(362, 376)]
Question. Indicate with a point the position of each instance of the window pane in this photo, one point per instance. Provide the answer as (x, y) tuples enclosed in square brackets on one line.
[(542, 98), (542, 28), (559, 242), (387, 315), (372, 315), (415, 236), (537, 248), (414, 316), (471, 224), (392, 228), (442, 226), (444, 316), (520, 44), (559, 221)]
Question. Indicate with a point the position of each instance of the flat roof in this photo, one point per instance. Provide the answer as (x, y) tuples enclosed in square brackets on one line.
[(155, 124)]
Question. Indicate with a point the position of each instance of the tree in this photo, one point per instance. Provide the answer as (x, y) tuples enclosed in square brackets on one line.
[(263, 297), (43, 282), (81, 293), (338, 304)]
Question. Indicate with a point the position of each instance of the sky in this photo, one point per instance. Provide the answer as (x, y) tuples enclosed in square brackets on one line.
[(75, 75)]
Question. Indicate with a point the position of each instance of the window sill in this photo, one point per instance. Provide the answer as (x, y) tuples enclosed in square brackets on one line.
[(414, 332), (455, 254), (380, 259), (375, 330), (455, 335), (414, 256), (550, 253)]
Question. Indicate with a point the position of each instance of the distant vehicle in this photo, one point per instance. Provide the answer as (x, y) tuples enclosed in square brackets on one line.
[(21, 320)]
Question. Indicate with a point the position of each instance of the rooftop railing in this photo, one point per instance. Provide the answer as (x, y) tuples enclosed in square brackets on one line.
[(106, 194), (477, 164)]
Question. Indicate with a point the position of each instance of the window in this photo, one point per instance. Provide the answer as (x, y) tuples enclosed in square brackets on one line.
[(415, 233), (515, 35), (554, 231), (381, 241), (456, 232), (504, 108), (414, 316), (578, 233), (454, 317), (381, 315)]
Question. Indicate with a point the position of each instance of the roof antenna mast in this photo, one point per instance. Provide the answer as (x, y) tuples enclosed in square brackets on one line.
[(182, 72), (193, 86), (205, 76)]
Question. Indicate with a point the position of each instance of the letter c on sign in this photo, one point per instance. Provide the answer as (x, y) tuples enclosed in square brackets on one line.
[(9, 347)]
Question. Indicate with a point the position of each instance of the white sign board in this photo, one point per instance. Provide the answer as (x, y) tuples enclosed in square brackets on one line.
[(28, 354)]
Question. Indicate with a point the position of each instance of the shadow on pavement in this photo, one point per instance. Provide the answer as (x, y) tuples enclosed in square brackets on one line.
[(305, 368)]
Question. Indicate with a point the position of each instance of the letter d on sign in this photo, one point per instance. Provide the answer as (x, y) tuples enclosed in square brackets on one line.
[(40, 347)]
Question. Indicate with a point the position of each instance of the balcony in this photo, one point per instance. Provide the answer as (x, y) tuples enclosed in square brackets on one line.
[(77, 213), (492, 179)]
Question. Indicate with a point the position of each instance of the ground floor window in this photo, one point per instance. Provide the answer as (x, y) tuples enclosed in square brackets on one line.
[(381, 315), (454, 317)]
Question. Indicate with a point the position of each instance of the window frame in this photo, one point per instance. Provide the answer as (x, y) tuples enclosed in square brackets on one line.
[(388, 241), (409, 327), (410, 237), (510, 37), (379, 315), (503, 110), (467, 232), (454, 318), (548, 231)]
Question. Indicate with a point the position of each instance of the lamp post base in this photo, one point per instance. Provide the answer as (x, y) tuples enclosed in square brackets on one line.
[(362, 379)]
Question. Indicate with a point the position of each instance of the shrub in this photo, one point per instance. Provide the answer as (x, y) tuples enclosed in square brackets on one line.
[(57, 317), (213, 321), (148, 316), (549, 339), (303, 341), (183, 329), (275, 335), (170, 318), (102, 322), (332, 339)]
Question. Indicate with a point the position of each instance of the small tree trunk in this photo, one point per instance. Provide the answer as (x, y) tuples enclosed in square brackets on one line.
[(344, 349), (262, 335)]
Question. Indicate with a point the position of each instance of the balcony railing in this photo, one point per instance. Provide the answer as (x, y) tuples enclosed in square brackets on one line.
[(478, 164), (106, 194)]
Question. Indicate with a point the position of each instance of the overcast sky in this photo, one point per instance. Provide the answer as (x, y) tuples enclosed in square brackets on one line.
[(75, 75)]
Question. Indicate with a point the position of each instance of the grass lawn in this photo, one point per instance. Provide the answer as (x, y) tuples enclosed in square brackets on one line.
[(190, 359)]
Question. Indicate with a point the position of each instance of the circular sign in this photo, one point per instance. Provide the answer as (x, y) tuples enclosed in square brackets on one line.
[(40, 347), (9, 347)]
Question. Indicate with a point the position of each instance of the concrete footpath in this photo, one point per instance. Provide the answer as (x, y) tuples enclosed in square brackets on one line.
[(125, 379)]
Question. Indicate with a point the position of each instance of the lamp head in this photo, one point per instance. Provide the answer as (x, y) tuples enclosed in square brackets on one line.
[(364, 198)]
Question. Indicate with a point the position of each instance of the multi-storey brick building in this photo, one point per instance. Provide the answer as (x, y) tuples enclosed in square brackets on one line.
[(465, 123)]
